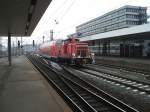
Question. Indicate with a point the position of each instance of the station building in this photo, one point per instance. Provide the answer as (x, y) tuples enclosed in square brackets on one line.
[(123, 32), (127, 42)]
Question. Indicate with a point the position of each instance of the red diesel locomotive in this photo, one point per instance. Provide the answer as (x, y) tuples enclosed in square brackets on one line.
[(69, 51)]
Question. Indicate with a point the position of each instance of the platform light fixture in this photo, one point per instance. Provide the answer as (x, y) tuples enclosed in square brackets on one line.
[(30, 13)]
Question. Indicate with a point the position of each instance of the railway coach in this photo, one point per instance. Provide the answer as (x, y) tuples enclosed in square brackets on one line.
[(70, 51)]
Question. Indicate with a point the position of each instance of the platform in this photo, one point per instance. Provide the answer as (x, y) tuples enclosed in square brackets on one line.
[(24, 89)]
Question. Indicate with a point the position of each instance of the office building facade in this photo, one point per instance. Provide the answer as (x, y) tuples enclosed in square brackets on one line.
[(123, 17)]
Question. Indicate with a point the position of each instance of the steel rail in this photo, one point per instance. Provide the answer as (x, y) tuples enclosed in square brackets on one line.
[(113, 74), (96, 101), (70, 87), (119, 79), (81, 105), (57, 88), (99, 92), (125, 68)]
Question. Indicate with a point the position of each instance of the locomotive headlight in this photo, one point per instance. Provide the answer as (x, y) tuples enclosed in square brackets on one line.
[(73, 54), (92, 55)]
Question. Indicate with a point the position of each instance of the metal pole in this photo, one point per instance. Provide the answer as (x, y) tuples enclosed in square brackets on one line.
[(13, 52), (51, 35), (43, 39), (21, 47), (21, 40), (9, 48), (0, 47)]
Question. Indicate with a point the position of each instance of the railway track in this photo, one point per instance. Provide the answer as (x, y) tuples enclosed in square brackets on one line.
[(81, 95), (135, 85), (57, 83), (143, 72)]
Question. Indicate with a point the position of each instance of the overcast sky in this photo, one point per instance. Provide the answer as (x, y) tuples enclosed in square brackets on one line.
[(64, 15)]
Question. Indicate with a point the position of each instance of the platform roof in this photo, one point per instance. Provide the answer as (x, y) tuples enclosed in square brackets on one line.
[(20, 17), (132, 32)]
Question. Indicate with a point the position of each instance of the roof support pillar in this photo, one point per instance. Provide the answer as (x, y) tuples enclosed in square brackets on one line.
[(9, 48)]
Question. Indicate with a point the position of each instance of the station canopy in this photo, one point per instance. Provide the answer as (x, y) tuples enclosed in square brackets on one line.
[(20, 17), (138, 31)]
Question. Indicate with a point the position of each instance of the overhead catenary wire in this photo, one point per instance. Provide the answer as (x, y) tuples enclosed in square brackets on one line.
[(64, 13), (59, 8), (61, 16), (59, 11), (68, 9), (89, 18)]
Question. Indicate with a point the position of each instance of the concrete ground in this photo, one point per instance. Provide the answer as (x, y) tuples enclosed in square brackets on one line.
[(23, 89)]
